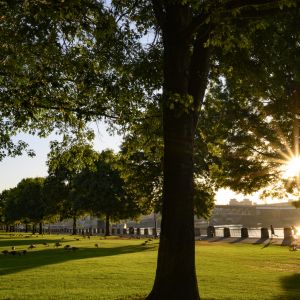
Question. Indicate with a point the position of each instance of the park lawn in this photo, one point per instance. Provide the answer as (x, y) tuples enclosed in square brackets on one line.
[(125, 268), (246, 271)]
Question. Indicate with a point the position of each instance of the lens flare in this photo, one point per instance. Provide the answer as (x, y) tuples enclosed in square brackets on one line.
[(292, 167)]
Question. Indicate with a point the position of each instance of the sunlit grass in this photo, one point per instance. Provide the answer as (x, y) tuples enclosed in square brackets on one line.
[(239, 271), (125, 268), (112, 271)]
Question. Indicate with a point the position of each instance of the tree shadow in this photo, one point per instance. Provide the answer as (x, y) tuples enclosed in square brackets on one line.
[(216, 239), (33, 259), (25, 242), (261, 241), (269, 243), (238, 240), (291, 286)]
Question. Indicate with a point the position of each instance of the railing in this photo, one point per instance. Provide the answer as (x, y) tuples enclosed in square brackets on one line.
[(242, 232), (209, 232)]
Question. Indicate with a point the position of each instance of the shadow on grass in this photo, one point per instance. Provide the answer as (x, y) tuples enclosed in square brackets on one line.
[(291, 286), (25, 242), (268, 244), (217, 239), (34, 259), (238, 240), (261, 241)]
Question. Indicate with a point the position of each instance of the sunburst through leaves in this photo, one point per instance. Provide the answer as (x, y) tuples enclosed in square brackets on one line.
[(292, 167)]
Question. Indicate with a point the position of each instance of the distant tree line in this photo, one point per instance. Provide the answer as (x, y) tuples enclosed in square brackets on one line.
[(94, 188), (82, 182)]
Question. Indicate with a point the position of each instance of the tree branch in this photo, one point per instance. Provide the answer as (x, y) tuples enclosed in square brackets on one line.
[(91, 113), (127, 12)]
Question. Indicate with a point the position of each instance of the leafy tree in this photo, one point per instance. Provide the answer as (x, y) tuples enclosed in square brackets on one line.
[(142, 173), (26, 203), (58, 66), (57, 70), (31, 199), (104, 192), (195, 40), (252, 129), (66, 161), (8, 215)]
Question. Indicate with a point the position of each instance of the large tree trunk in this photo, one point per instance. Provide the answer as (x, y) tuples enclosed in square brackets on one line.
[(185, 75), (175, 275), (107, 231)]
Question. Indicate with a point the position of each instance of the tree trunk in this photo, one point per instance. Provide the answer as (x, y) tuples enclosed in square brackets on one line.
[(175, 275), (26, 227), (74, 225), (107, 231), (33, 229), (155, 225), (295, 110), (185, 75), (40, 228)]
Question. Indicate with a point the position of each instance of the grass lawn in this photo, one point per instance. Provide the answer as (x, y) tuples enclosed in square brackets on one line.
[(124, 269)]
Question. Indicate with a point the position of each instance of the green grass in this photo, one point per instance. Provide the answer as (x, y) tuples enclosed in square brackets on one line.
[(245, 271), (124, 269)]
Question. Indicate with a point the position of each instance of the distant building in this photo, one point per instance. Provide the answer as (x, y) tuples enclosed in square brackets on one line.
[(243, 202), (251, 216), (280, 215)]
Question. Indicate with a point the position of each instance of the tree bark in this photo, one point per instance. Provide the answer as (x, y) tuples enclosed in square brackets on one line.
[(74, 225), (185, 74), (175, 275), (40, 228), (107, 231)]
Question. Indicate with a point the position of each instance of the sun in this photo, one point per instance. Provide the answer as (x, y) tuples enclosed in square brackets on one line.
[(292, 167)]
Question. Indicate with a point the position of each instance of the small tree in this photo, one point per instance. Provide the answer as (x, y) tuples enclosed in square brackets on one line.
[(30, 202), (104, 191), (9, 209), (66, 162)]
